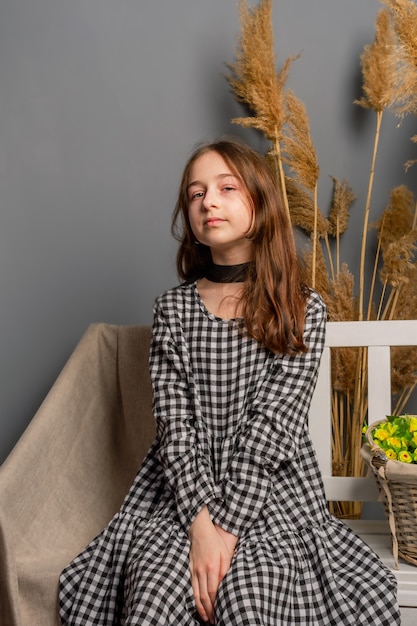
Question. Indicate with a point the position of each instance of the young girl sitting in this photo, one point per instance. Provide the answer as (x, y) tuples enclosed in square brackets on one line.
[(226, 521)]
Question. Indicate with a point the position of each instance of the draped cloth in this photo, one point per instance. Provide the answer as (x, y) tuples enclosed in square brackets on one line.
[(71, 469)]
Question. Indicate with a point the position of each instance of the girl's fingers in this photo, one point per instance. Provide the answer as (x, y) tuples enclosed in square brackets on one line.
[(203, 603), (206, 599), (212, 582), (205, 588)]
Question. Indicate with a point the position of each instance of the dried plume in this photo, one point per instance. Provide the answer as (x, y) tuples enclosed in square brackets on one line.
[(397, 237), (253, 77), (302, 209), (298, 145), (403, 358), (398, 260), (404, 17), (342, 199), (300, 155), (343, 306), (407, 297), (397, 219), (322, 284), (379, 66), (404, 369)]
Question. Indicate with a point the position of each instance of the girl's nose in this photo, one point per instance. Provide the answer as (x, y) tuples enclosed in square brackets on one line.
[(209, 199)]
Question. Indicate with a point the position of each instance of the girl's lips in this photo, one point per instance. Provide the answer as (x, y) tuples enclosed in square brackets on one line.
[(212, 221)]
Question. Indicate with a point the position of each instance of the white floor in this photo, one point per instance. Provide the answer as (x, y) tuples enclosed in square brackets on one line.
[(408, 617)]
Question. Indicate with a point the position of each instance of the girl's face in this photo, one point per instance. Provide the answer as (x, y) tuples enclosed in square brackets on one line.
[(219, 210)]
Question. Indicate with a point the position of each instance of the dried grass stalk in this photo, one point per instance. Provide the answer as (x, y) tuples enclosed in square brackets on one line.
[(342, 200), (404, 359), (342, 305), (379, 67), (398, 218), (302, 209), (322, 278), (338, 220), (283, 119), (298, 145), (404, 19), (398, 259), (404, 368), (407, 298), (397, 239), (256, 83), (253, 76), (301, 157)]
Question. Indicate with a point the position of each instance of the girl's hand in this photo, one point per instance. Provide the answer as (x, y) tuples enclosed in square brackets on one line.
[(210, 558), (229, 539)]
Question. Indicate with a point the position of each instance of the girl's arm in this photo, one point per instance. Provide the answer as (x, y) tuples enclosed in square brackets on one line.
[(185, 458), (274, 427), (182, 451)]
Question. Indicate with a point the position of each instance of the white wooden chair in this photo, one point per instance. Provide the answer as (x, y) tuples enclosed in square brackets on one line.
[(378, 337)]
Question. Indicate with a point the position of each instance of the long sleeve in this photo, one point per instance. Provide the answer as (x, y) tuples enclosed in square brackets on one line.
[(275, 423), (183, 450)]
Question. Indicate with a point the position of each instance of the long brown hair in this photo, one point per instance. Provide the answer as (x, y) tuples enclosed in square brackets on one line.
[(274, 296)]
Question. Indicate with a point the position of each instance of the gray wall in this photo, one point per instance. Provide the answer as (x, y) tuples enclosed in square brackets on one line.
[(101, 101)]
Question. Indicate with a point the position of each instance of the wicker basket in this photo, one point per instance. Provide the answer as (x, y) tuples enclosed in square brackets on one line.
[(397, 483)]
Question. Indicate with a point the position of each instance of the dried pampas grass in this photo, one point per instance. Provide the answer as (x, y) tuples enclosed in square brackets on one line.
[(338, 220), (253, 76), (256, 83), (403, 14), (389, 73), (303, 209), (379, 67)]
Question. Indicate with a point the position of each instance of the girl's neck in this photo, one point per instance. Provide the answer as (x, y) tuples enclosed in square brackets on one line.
[(221, 299), (234, 255)]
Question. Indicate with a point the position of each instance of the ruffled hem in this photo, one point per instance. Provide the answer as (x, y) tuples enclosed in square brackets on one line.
[(137, 572)]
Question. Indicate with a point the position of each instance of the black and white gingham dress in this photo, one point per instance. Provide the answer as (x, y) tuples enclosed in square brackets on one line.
[(231, 434)]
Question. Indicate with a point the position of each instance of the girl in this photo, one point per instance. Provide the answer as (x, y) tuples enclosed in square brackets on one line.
[(227, 522)]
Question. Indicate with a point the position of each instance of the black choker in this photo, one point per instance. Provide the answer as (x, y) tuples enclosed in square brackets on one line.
[(228, 273)]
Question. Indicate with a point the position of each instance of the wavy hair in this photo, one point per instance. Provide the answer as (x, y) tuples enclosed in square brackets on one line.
[(274, 296)]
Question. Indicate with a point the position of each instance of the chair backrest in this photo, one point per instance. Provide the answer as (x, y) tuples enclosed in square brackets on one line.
[(378, 337)]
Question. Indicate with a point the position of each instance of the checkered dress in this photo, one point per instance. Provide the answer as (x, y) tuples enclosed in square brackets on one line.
[(231, 434)]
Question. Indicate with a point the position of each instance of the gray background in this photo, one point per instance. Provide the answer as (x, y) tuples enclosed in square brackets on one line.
[(101, 101)]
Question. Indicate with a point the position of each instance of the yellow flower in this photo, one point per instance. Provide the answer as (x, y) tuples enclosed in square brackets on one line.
[(391, 454), (391, 428), (380, 434), (395, 443), (413, 424), (405, 457), (414, 439)]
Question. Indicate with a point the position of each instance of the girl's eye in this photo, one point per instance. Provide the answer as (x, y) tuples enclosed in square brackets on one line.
[(229, 188), (197, 195)]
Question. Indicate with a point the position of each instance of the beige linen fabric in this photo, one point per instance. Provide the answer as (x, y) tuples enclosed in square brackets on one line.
[(395, 471), (71, 469)]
